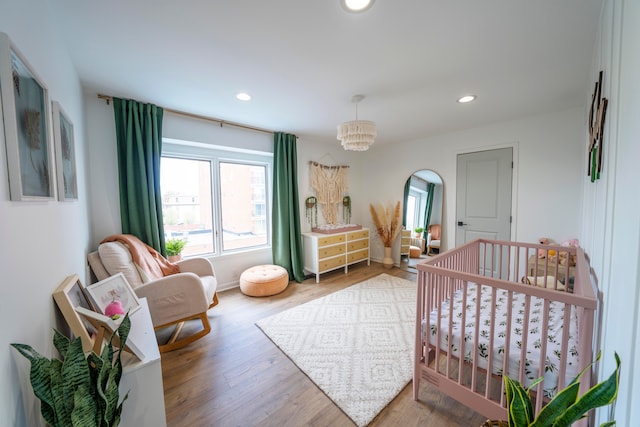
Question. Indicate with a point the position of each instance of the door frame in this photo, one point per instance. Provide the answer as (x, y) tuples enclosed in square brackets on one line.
[(514, 185)]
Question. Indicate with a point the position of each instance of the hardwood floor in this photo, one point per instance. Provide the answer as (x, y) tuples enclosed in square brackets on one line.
[(235, 376)]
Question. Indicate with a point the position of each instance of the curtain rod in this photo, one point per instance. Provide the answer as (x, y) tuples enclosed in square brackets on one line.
[(222, 123), (311, 162)]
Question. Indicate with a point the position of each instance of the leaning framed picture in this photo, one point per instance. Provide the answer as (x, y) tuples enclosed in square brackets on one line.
[(69, 295), (25, 111), (63, 139), (113, 288), (106, 327)]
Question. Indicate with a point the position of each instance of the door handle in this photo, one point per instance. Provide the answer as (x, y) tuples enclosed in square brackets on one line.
[(461, 224)]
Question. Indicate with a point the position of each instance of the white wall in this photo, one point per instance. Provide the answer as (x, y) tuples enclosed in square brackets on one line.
[(547, 173), (611, 221), (44, 241)]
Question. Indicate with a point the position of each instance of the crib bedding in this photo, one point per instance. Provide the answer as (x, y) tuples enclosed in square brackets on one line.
[(555, 316)]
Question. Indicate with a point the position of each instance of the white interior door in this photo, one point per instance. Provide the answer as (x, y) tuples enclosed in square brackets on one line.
[(483, 195)]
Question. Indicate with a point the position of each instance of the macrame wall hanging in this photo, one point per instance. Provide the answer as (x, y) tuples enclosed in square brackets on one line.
[(329, 184)]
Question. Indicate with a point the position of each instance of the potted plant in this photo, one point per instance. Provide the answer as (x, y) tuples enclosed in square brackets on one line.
[(311, 205), (418, 231), (174, 249), (346, 209), (565, 408), (386, 220), (79, 390)]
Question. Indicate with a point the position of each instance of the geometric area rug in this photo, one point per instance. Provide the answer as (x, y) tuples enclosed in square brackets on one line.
[(355, 344)]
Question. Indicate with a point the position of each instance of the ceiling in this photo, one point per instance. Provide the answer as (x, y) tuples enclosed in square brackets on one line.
[(303, 60)]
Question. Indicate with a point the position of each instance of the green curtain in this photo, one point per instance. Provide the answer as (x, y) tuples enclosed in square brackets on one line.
[(139, 145), (428, 208), (287, 240), (407, 186)]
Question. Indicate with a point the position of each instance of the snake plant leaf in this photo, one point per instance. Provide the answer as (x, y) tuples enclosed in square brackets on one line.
[(61, 343), (84, 408), (558, 405), (61, 407), (519, 403), (75, 371), (40, 380), (601, 394)]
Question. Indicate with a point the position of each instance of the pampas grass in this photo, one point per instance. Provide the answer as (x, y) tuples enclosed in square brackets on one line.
[(386, 219)]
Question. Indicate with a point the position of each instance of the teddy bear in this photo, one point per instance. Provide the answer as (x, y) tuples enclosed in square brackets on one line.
[(564, 257), (542, 253)]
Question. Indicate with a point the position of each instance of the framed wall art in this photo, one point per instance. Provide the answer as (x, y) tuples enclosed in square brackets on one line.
[(63, 138), (69, 295), (106, 328), (25, 110), (113, 288)]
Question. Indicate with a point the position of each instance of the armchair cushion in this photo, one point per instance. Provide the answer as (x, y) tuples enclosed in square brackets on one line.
[(116, 258)]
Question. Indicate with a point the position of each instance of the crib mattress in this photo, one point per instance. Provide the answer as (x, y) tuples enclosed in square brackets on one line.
[(554, 345)]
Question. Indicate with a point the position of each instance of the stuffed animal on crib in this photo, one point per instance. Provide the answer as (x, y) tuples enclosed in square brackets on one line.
[(564, 257), (542, 253)]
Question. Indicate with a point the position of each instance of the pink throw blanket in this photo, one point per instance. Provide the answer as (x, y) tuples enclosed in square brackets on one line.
[(147, 258)]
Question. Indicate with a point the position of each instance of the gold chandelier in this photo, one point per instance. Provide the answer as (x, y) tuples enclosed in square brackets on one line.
[(357, 135)]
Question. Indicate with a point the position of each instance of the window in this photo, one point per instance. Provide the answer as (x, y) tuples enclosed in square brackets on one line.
[(416, 203), (214, 199)]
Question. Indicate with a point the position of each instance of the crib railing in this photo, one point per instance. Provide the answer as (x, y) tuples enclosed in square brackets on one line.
[(504, 267)]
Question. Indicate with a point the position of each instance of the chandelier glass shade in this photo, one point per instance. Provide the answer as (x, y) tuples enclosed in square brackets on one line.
[(357, 135)]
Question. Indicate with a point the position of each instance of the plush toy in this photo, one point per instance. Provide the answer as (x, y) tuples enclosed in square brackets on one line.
[(571, 243), (114, 310), (564, 257), (542, 253)]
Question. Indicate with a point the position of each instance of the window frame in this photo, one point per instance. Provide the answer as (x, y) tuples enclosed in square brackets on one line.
[(216, 154)]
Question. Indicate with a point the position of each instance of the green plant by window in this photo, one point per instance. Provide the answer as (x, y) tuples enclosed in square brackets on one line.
[(565, 408), (175, 246), (418, 230), (78, 391)]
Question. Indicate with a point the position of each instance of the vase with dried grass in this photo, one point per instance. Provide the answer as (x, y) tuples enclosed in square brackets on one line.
[(386, 219)]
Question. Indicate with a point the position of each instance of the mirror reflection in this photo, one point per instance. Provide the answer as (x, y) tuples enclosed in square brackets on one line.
[(422, 216)]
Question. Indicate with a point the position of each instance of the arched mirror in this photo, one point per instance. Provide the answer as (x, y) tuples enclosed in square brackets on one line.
[(422, 216)]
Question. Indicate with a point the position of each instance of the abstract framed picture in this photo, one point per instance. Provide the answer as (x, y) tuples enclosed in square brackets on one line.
[(63, 138), (69, 295), (25, 111)]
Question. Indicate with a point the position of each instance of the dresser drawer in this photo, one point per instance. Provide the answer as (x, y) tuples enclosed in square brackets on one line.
[(358, 244), (329, 251), (358, 256), (330, 240), (328, 264), (360, 234)]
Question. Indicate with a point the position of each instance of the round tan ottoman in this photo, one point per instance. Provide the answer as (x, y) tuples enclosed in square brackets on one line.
[(264, 280), (414, 252)]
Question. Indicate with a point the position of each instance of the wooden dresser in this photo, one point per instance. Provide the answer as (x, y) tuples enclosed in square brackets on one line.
[(327, 252), (405, 243)]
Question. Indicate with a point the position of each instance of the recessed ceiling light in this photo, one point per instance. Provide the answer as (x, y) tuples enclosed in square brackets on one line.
[(356, 5), (243, 96), (467, 98)]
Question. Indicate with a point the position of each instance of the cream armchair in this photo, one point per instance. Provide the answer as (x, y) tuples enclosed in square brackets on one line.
[(172, 299), (433, 237)]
